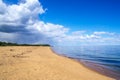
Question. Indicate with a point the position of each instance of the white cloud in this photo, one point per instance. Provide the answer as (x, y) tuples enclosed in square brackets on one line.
[(78, 32), (103, 33), (2, 7), (20, 23), (22, 19), (101, 38), (22, 12)]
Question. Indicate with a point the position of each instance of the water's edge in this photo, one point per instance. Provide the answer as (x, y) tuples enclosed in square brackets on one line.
[(100, 69), (93, 66)]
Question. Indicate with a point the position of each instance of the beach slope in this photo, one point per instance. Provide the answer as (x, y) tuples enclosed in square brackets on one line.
[(40, 63)]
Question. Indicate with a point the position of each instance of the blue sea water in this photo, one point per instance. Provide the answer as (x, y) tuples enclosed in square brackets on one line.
[(106, 55)]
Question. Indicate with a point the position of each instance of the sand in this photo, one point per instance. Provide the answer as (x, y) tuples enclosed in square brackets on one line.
[(40, 63)]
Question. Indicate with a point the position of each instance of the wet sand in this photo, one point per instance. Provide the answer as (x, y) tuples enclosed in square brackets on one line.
[(101, 69), (40, 63)]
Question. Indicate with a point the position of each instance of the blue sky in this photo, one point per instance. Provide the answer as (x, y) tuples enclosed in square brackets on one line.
[(84, 14), (59, 22)]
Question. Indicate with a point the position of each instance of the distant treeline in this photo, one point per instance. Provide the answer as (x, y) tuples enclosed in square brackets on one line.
[(16, 44)]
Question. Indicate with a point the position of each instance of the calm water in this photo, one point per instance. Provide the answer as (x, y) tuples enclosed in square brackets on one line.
[(107, 56)]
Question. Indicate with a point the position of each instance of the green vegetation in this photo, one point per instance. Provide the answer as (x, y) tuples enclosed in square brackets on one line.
[(15, 44)]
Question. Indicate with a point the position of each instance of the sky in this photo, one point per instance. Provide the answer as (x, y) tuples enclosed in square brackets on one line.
[(60, 22), (83, 14)]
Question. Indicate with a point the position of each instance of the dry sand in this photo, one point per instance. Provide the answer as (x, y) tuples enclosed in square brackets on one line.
[(40, 63)]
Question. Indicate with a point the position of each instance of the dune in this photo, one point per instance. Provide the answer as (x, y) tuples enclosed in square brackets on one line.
[(40, 63)]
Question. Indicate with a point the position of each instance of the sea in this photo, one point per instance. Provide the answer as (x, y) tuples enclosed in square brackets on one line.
[(105, 56)]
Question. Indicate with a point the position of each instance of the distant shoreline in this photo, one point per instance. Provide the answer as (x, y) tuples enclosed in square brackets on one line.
[(16, 44)]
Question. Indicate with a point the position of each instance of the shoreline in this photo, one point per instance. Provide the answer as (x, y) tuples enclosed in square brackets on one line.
[(41, 63), (93, 66), (100, 69)]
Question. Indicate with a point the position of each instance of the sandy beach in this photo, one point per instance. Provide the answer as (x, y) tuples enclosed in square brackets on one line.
[(40, 63)]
